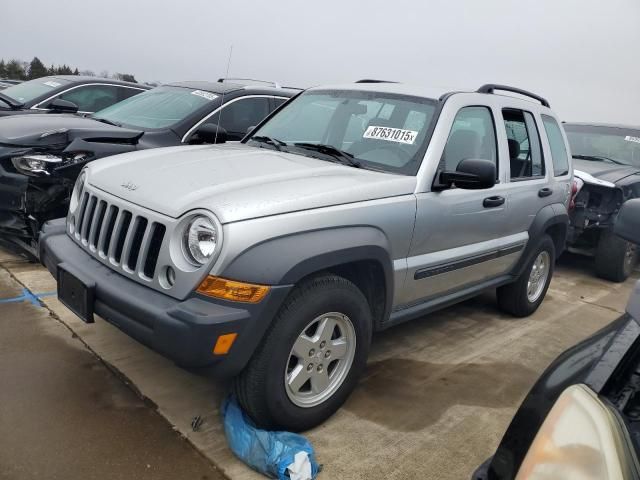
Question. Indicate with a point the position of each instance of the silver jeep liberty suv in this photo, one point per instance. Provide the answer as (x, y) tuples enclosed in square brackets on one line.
[(350, 209)]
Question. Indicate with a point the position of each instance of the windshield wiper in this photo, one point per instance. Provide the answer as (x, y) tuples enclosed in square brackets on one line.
[(104, 120), (12, 102), (343, 157), (599, 158), (277, 144)]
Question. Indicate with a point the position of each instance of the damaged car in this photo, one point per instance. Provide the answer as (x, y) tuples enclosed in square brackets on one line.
[(65, 94), (607, 174), (41, 155)]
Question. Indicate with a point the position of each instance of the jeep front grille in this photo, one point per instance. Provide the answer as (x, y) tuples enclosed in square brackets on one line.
[(128, 240)]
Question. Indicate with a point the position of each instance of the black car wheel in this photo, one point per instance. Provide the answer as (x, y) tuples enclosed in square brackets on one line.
[(310, 359), (615, 257), (524, 296)]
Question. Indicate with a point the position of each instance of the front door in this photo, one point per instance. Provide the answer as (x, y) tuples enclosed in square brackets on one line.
[(462, 237)]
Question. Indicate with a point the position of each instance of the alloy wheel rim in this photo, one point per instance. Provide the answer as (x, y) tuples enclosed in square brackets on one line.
[(320, 359), (538, 276)]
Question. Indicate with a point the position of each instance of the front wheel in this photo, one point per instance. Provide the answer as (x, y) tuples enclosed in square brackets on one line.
[(524, 296), (311, 357)]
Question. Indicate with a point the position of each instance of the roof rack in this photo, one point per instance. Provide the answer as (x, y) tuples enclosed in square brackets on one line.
[(247, 80), (490, 88), (373, 80)]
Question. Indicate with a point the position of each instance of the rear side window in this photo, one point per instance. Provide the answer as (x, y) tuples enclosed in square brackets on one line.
[(92, 98), (473, 135), (525, 151), (558, 148)]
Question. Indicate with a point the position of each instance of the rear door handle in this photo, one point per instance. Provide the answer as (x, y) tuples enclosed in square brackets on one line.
[(492, 202), (544, 192)]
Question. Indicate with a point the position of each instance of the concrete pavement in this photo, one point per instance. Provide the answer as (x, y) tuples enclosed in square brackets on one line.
[(438, 394), (64, 415)]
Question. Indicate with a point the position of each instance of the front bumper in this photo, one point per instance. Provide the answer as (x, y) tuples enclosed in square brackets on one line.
[(182, 330)]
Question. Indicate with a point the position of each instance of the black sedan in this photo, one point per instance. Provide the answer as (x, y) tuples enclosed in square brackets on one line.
[(581, 420), (41, 155), (607, 173), (65, 94)]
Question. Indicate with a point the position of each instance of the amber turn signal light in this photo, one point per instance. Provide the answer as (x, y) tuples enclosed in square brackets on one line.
[(231, 290), (224, 343)]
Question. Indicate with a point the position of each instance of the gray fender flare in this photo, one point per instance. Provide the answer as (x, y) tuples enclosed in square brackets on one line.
[(286, 260), (552, 216)]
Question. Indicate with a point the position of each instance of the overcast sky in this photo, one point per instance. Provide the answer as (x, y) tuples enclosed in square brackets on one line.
[(581, 54)]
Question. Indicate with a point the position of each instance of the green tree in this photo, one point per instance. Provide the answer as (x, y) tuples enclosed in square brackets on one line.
[(51, 70), (3, 69), (76, 72), (125, 77), (15, 71), (37, 69)]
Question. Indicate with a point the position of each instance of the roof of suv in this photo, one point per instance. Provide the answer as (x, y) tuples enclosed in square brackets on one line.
[(227, 87), (431, 92)]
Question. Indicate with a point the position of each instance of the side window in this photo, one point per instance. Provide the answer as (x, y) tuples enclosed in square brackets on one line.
[(525, 151), (278, 101), (237, 117), (124, 93), (91, 98), (473, 135), (558, 149)]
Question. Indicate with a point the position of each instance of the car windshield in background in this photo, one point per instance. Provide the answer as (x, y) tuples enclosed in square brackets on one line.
[(28, 91), (607, 144), (161, 107), (381, 131)]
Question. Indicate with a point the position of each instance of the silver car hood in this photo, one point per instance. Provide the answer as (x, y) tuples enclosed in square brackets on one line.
[(238, 182)]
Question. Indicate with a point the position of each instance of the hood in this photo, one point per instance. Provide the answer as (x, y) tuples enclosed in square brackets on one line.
[(57, 129), (607, 172), (238, 182)]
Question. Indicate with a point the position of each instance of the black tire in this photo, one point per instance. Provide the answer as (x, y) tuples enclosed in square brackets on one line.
[(615, 257), (513, 298), (260, 387)]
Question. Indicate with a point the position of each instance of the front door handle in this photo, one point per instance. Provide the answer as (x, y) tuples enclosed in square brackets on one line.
[(544, 192), (492, 202)]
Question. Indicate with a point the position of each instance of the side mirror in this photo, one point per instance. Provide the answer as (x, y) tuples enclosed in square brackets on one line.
[(251, 129), (62, 106), (627, 224), (471, 174), (209, 133)]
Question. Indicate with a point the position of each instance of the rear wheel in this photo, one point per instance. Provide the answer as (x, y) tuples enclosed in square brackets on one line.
[(311, 357), (524, 296), (615, 257)]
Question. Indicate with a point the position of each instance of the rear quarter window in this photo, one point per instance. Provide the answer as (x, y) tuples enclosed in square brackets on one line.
[(559, 153)]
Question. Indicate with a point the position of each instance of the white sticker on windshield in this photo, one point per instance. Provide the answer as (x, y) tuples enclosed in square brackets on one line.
[(203, 94), (629, 138), (52, 84), (391, 134)]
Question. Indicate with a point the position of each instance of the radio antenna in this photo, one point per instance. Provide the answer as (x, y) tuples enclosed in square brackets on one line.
[(222, 100)]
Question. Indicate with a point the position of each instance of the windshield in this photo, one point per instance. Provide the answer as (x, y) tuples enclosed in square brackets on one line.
[(613, 144), (161, 107), (381, 131), (28, 91)]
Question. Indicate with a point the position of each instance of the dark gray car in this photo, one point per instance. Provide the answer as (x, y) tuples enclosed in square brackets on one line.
[(607, 174)]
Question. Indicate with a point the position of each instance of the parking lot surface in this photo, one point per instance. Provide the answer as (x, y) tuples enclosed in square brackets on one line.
[(438, 394), (64, 415)]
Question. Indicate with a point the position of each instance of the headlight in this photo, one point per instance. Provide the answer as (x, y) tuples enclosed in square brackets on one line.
[(200, 240), (36, 164), (77, 192), (580, 439)]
